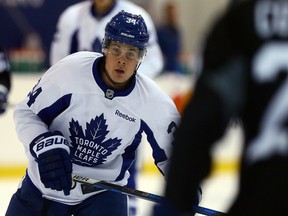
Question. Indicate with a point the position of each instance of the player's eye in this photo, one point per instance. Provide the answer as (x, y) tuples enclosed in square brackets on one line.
[(116, 50), (131, 55)]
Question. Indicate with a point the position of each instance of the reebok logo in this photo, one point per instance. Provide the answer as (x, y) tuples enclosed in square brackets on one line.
[(124, 116)]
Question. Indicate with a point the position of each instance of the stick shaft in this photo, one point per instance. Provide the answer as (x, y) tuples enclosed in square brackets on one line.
[(136, 193)]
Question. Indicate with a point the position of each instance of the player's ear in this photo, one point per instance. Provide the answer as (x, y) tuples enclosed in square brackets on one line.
[(104, 51)]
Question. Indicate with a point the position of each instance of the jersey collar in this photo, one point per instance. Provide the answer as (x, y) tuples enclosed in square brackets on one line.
[(108, 92)]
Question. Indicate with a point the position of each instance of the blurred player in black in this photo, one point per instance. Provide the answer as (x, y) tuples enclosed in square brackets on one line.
[(243, 75), (5, 80)]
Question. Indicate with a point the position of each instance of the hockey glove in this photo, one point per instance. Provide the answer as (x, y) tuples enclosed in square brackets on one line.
[(52, 155), (3, 102)]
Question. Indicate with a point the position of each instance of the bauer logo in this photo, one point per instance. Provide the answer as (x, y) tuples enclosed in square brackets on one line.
[(90, 146), (47, 142)]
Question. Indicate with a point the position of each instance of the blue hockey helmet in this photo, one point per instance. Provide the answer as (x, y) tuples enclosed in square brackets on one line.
[(127, 28)]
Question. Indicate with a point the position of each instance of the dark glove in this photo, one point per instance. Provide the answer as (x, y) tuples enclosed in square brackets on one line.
[(3, 102), (52, 155), (55, 170)]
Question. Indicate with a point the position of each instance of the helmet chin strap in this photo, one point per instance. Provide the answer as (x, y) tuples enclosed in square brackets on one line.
[(136, 69)]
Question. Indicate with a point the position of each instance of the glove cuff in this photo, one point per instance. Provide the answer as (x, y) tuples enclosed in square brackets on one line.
[(48, 141)]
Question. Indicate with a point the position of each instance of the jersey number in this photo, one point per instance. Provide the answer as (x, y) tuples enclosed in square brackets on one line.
[(34, 94), (273, 136)]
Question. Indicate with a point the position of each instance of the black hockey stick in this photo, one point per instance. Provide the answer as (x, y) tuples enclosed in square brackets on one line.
[(96, 184)]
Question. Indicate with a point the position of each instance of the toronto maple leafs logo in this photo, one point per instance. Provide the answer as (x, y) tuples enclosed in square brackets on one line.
[(91, 148)]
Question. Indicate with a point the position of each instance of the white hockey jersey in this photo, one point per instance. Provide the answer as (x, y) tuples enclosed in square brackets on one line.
[(103, 126), (77, 23)]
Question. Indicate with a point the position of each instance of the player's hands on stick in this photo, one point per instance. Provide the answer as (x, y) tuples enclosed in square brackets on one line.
[(52, 155)]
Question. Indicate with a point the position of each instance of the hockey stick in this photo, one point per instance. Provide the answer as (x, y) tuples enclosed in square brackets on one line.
[(96, 184)]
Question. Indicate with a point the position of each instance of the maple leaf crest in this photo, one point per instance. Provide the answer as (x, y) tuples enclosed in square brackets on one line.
[(91, 148)]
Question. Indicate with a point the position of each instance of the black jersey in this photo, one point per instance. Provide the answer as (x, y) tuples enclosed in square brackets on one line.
[(243, 75)]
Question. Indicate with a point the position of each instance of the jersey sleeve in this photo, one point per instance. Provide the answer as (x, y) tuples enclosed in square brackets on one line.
[(160, 131), (44, 103), (62, 39), (207, 114), (153, 62)]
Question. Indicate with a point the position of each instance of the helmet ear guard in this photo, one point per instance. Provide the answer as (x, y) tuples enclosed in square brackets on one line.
[(128, 29)]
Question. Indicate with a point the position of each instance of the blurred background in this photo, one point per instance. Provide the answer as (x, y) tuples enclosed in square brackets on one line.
[(27, 28)]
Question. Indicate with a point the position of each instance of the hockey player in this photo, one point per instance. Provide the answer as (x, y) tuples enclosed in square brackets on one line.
[(86, 115), (5, 80), (81, 28), (244, 74)]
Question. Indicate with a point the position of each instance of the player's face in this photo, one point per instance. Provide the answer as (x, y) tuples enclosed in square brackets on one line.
[(102, 6), (121, 62)]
